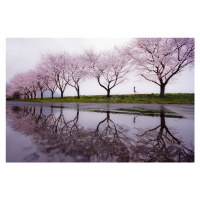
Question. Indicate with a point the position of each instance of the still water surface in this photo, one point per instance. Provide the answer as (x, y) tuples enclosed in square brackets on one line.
[(37, 132)]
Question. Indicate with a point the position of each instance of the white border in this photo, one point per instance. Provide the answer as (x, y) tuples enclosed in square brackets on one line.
[(70, 19)]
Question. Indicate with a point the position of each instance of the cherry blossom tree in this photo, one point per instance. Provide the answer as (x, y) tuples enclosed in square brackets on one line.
[(9, 91), (19, 83), (41, 80), (78, 71), (51, 85), (23, 84), (108, 67), (32, 82), (48, 76), (159, 59), (12, 93), (58, 71)]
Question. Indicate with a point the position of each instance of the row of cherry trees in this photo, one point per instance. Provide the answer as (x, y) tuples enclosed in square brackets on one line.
[(56, 71), (156, 59)]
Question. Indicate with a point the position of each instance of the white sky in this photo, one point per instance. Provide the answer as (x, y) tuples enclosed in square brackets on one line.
[(23, 54)]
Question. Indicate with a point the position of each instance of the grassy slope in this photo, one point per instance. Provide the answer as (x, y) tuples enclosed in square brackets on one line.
[(179, 98)]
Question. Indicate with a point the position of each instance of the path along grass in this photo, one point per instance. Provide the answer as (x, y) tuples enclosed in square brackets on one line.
[(178, 98)]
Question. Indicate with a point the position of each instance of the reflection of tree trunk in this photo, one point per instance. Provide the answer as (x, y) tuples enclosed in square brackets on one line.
[(51, 109), (73, 124), (101, 122), (134, 119), (39, 116), (112, 135), (77, 114), (108, 115), (110, 127), (163, 128), (160, 143), (34, 110)]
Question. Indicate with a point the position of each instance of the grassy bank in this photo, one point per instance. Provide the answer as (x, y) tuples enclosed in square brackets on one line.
[(178, 98)]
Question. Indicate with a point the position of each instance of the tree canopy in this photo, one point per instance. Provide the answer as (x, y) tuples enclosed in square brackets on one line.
[(155, 59)]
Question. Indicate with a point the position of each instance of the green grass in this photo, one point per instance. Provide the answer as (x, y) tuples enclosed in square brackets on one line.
[(177, 98)]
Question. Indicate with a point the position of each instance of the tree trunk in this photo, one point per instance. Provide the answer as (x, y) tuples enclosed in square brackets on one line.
[(78, 92), (52, 94), (41, 95), (162, 90), (34, 94), (61, 94), (108, 93), (31, 95)]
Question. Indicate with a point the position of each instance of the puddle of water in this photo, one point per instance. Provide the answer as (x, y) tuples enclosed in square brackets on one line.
[(37, 133)]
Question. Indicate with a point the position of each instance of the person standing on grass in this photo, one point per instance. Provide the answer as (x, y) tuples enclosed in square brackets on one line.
[(134, 90)]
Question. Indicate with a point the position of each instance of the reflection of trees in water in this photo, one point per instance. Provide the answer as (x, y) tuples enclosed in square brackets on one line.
[(111, 139), (56, 135), (160, 144), (68, 140)]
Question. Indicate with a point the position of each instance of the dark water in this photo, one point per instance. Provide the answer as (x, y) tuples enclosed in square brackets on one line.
[(38, 132)]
